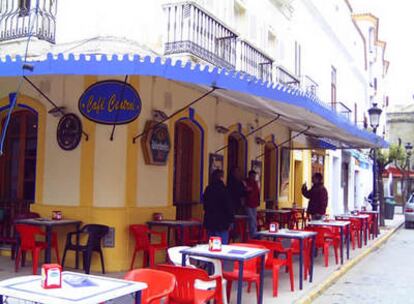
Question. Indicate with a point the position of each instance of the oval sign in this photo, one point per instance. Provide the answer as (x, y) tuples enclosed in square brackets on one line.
[(110, 102)]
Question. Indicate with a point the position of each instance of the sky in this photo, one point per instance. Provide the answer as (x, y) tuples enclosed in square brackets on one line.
[(396, 25)]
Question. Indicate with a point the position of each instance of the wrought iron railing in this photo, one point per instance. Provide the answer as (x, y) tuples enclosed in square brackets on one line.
[(22, 18), (284, 77), (254, 62), (310, 85), (192, 30), (342, 109)]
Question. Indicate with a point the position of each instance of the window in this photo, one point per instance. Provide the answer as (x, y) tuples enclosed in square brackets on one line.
[(298, 59), (371, 40), (318, 162), (333, 85), (24, 7), (271, 42)]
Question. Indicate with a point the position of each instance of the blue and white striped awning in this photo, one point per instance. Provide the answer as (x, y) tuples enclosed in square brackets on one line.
[(298, 108)]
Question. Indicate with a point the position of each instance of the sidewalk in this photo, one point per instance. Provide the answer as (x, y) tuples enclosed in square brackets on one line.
[(322, 279)]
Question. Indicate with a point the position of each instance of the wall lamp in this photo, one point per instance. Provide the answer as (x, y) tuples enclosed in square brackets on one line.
[(158, 115), (221, 129), (259, 140)]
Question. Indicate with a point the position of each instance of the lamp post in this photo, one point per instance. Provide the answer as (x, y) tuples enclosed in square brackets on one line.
[(408, 148), (374, 116)]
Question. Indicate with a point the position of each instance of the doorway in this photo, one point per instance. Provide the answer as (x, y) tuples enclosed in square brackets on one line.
[(237, 153), (270, 169), (345, 185), (298, 183), (187, 168)]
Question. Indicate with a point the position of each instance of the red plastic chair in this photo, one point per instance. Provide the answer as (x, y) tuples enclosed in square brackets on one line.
[(274, 263), (250, 272), (191, 235), (325, 239), (142, 236), (355, 231), (160, 284), (27, 234), (185, 292)]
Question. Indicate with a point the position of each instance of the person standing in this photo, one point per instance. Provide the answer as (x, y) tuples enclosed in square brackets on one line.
[(237, 190), (318, 197), (252, 202), (218, 209)]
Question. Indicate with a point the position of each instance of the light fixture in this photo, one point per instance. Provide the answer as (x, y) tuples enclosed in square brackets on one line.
[(57, 111), (221, 129), (158, 115), (259, 140), (374, 116), (408, 147)]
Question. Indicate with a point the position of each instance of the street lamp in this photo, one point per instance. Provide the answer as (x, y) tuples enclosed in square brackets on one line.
[(374, 117), (408, 148)]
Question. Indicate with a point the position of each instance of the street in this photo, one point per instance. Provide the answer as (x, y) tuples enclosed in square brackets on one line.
[(384, 276)]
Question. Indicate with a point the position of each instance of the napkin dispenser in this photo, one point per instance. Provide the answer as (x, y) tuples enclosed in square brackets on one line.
[(51, 276), (215, 243), (273, 227)]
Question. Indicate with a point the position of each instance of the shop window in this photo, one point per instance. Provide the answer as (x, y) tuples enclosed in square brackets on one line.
[(318, 162), (187, 170), (18, 164), (237, 153)]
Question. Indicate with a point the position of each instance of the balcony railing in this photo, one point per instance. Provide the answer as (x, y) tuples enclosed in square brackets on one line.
[(284, 77), (342, 109), (310, 85), (254, 62), (192, 30), (21, 18)]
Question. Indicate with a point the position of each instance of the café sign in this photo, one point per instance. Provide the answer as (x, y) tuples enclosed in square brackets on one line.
[(110, 102)]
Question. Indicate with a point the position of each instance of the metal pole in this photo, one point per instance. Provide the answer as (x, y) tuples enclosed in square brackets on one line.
[(374, 175)]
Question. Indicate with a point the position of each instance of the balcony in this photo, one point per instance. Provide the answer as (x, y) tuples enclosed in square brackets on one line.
[(342, 109), (253, 62), (192, 30), (20, 19), (309, 85), (283, 76)]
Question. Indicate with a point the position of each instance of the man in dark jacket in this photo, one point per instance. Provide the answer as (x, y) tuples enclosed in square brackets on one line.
[(318, 197), (218, 209), (237, 190), (252, 202)]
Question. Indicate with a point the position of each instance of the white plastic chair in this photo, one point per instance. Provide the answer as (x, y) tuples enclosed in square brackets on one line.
[(175, 257)]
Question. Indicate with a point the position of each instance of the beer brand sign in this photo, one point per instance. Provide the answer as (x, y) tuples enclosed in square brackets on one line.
[(110, 102), (156, 143)]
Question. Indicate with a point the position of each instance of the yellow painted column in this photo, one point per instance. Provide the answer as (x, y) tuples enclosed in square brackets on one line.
[(132, 157), (87, 162)]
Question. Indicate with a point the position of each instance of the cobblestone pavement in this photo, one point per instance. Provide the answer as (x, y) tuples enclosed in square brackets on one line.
[(384, 276)]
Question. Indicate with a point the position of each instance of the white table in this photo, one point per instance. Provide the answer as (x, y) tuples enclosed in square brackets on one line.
[(294, 235), (337, 224), (95, 289), (232, 253)]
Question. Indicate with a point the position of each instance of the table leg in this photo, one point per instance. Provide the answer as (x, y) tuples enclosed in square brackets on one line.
[(366, 231), (262, 266), (342, 244), (360, 234), (300, 264), (49, 244), (240, 283), (77, 246), (348, 238), (376, 225), (312, 258), (138, 297)]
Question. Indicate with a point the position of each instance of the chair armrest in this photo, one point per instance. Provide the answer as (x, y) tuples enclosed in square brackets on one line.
[(163, 236), (218, 296), (70, 234)]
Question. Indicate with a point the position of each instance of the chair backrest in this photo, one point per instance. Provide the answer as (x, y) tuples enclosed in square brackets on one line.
[(95, 234), (26, 215), (140, 232), (160, 283), (252, 264), (185, 279), (27, 235), (175, 255)]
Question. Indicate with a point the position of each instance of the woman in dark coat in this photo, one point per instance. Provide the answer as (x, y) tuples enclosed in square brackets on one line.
[(218, 210)]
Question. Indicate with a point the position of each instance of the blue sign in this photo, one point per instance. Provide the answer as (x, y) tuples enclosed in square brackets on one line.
[(110, 102)]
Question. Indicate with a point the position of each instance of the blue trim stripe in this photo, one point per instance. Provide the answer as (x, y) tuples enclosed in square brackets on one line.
[(221, 78)]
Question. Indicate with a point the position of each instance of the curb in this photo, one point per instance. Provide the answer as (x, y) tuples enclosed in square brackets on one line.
[(336, 275)]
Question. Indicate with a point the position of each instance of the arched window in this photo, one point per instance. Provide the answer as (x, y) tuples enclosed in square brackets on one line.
[(187, 167), (18, 164)]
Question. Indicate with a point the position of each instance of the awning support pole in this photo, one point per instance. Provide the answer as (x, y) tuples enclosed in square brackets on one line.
[(286, 141), (58, 109), (252, 132), (173, 114), (121, 98)]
